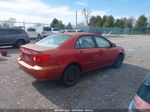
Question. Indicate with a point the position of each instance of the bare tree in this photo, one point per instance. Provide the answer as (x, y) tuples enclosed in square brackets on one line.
[(81, 24), (86, 13), (8, 23), (11, 22), (5, 24), (38, 25)]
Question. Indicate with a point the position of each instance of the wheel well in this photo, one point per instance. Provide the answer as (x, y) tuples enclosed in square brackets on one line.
[(76, 64), (20, 39), (121, 54)]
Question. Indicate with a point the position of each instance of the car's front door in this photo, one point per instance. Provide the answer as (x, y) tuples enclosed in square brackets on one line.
[(87, 53), (106, 51)]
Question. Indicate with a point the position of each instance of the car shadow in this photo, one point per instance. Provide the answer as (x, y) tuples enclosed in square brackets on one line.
[(3, 59), (105, 88), (10, 50)]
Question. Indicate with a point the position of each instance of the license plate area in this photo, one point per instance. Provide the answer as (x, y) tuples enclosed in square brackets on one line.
[(27, 58)]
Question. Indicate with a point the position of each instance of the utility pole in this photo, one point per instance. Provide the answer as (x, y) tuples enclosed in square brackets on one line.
[(76, 18), (24, 24)]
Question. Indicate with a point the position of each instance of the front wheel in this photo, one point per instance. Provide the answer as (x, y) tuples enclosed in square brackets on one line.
[(71, 75), (39, 37), (118, 61)]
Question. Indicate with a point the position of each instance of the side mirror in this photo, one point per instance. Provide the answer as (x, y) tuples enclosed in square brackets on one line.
[(113, 45)]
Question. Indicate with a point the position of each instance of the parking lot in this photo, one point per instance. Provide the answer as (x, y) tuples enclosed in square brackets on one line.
[(106, 88)]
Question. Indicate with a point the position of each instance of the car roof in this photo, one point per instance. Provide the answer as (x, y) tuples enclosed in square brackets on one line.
[(78, 33)]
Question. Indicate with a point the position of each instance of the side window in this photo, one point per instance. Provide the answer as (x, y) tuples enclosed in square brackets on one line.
[(18, 31), (1, 32), (77, 45), (9, 31), (86, 42), (101, 42), (4, 31)]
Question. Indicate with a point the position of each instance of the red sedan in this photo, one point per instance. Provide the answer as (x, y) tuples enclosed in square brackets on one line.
[(66, 56)]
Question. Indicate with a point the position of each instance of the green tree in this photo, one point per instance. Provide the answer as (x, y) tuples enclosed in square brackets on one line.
[(69, 26), (57, 24), (93, 21), (99, 21), (104, 19), (142, 22), (109, 22), (128, 22), (120, 23), (96, 21), (61, 25)]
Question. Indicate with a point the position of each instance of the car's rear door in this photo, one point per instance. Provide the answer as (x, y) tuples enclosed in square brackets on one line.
[(3, 40), (106, 51), (1, 36), (9, 37), (87, 53)]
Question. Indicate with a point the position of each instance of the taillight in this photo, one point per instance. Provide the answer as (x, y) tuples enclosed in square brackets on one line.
[(140, 104), (40, 58), (21, 52), (26, 34)]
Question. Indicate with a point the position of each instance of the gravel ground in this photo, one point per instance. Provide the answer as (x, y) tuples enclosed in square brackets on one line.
[(105, 88)]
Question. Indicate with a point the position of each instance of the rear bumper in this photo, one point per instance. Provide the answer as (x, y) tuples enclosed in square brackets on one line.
[(130, 108), (42, 73)]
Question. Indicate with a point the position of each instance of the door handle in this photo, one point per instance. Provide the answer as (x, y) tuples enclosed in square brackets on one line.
[(101, 51), (81, 51)]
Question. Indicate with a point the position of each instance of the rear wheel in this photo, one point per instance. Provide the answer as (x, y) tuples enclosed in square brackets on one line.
[(39, 37), (71, 75), (19, 43), (118, 61)]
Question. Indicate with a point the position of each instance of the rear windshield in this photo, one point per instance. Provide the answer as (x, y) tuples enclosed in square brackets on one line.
[(32, 30), (55, 29), (47, 29), (144, 91), (53, 41)]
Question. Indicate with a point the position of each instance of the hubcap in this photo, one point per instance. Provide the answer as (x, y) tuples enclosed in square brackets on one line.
[(20, 43), (72, 75), (119, 61)]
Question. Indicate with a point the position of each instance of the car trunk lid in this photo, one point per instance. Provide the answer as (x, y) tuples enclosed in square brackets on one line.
[(30, 51)]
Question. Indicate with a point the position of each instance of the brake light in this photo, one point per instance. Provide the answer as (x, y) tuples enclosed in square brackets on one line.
[(41, 58), (26, 34), (140, 104), (20, 53)]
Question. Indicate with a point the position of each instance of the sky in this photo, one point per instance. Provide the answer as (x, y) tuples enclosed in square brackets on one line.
[(45, 11)]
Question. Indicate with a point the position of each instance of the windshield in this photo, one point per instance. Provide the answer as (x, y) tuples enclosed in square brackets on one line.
[(53, 41), (47, 29), (55, 29), (32, 30)]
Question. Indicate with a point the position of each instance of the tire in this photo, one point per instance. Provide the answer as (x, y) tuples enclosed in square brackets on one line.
[(39, 37), (19, 43), (118, 61), (71, 75)]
